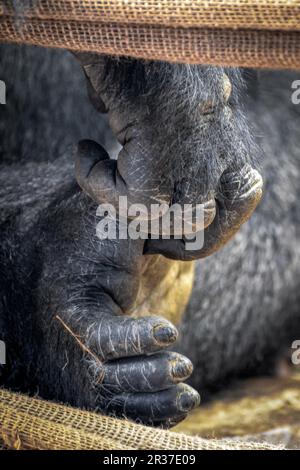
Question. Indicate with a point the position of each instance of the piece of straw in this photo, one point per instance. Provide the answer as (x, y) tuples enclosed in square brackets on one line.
[(83, 347)]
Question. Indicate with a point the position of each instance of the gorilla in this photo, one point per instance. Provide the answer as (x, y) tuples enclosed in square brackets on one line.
[(90, 321)]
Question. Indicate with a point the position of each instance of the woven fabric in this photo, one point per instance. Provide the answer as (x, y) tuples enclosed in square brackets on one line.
[(255, 14), (249, 33), (30, 423)]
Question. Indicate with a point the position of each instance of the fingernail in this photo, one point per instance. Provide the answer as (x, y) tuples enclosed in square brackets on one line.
[(188, 400), (181, 368), (164, 334)]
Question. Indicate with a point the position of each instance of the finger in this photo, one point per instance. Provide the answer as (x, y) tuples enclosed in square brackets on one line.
[(153, 407), (238, 197), (96, 174), (105, 180), (147, 373), (123, 336)]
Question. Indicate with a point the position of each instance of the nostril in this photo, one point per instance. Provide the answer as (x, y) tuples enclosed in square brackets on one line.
[(178, 192), (183, 191)]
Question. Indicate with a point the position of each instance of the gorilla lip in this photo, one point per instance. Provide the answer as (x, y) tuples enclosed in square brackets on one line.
[(162, 219)]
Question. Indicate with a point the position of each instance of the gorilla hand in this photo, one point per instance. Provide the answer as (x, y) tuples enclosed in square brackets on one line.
[(136, 378), (97, 289)]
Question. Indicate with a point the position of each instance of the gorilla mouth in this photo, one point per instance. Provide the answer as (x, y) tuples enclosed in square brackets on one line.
[(239, 192), (189, 231), (237, 198)]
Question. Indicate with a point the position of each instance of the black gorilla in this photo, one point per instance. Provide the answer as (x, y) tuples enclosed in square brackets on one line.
[(246, 297), (58, 280)]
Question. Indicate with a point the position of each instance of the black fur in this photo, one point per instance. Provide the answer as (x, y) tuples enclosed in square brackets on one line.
[(245, 304), (246, 297)]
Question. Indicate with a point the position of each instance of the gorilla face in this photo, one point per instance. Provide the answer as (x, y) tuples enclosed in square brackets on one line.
[(184, 140)]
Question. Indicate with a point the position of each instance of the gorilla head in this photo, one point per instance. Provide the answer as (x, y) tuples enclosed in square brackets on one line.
[(184, 140)]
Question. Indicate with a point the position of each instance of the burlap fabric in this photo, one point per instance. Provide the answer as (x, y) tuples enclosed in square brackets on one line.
[(251, 33), (30, 423)]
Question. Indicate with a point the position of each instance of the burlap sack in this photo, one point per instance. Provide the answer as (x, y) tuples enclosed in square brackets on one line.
[(250, 33), (30, 423)]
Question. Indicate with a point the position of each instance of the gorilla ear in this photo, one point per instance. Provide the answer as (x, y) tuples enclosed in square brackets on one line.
[(86, 60), (94, 97)]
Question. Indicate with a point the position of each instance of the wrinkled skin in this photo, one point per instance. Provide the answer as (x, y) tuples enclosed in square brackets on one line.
[(92, 287), (182, 141), (52, 264)]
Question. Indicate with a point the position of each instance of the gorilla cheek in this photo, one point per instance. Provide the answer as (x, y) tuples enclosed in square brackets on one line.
[(238, 196)]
